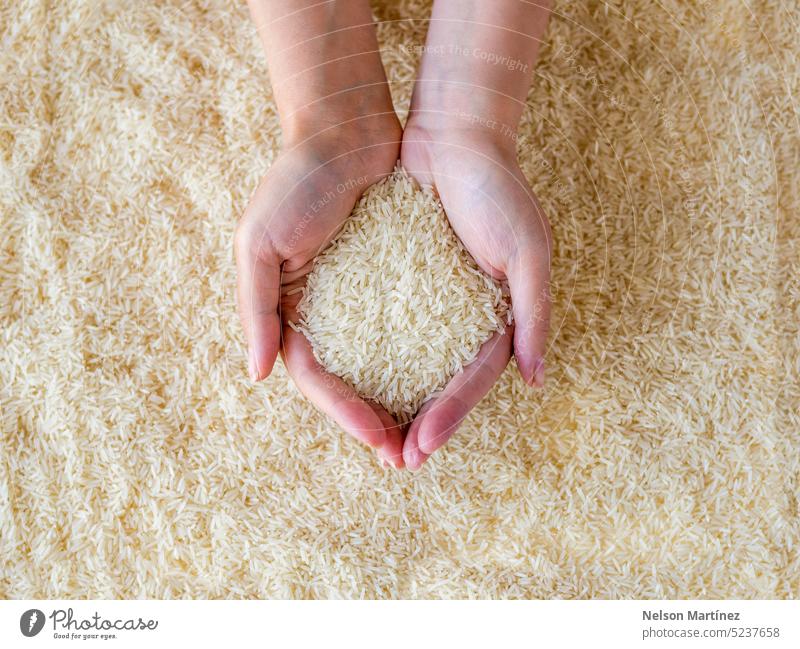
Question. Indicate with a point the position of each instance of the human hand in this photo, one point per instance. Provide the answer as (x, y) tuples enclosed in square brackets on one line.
[(341, 135), (297, 209), (498, 219)]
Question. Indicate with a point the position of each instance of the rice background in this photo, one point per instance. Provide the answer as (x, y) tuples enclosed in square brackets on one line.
[(662, 460)]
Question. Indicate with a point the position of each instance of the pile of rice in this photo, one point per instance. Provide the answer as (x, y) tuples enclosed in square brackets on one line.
[(396, 306), (137, 459)]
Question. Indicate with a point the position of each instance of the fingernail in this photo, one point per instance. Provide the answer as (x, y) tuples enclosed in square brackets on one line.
[(389, 461), (419, 460), (252, 366), (526, 369), (538, 374)]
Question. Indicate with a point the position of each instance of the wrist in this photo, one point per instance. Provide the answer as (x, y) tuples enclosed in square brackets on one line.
[(358, 113), (371, 142), (357, 122), (452, 113), (490, 137)]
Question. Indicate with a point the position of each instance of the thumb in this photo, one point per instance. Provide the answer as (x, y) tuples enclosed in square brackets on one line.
[(258, 270), (528, 275)]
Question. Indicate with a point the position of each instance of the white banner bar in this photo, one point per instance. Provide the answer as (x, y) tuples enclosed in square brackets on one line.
[(405, 625)]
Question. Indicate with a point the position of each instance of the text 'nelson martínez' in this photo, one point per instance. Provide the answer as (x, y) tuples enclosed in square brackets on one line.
[(690, 615)]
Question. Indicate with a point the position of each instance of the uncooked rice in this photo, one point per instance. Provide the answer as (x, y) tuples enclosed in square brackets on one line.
[(662, 459), (396, 306)]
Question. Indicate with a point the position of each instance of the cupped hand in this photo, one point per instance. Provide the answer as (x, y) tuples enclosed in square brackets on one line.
[(498, 219), (297, 209)]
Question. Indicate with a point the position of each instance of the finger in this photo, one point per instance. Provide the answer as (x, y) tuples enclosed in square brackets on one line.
[(330, 393), (529, 282), (412, 456), (258, 273), (392, 450), (365, 420), (440, 417)]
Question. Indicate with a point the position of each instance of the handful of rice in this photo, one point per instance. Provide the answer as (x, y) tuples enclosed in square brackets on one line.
[(395, 305)]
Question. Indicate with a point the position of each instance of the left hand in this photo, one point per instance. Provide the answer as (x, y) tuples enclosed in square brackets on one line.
[(494, 212)]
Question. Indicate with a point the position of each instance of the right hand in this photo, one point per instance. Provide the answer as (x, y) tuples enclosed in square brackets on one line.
[(298, 208)]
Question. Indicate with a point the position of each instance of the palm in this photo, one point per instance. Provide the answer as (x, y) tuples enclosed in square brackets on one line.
[(291, 212)]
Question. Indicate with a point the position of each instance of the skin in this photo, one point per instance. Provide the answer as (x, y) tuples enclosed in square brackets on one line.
[(340, 129), (460, 138)]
